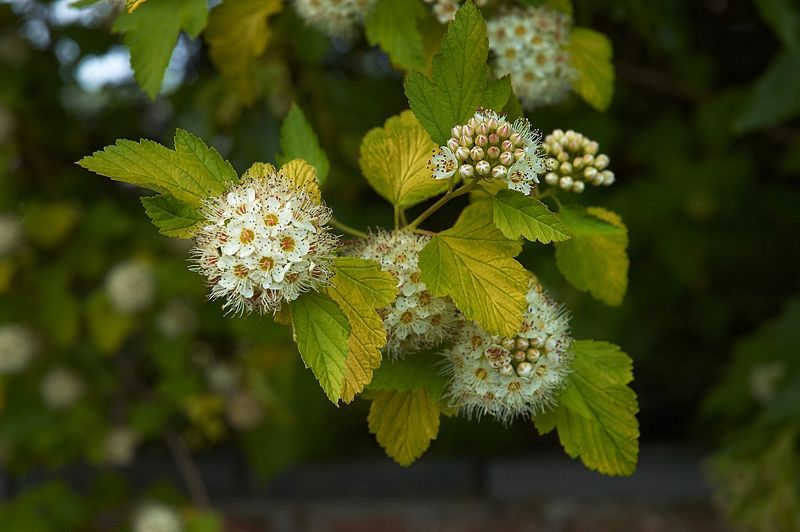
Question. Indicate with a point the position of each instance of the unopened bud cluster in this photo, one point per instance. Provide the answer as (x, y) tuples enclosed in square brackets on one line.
[(445, 10), (490, 147), (531, 46), (337, 18), (573, 162), (506, 377), (417, 319)]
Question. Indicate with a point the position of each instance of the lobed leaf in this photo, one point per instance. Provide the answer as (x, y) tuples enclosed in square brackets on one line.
[(299, 140), (518, 215), (590, 53), (172, 217), (404, 423)]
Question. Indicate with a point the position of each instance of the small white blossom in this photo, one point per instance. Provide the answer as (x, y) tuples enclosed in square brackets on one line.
[(178, 318), (130, 287), (764, 380), (17, 347), (445, 10), (61, 388), (222, 377), (120, 445), (490, 147), (157, 517), (531, 46), (10, 233), (243, 410), (337, 18), (510, 377), (417, 319), (265, 242), (573, 162)]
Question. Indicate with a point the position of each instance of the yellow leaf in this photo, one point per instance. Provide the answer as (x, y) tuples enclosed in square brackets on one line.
[(259, 170), (237, 34), (304, 177), (404, 423), (394, 160), (359, 287), (473, 264)]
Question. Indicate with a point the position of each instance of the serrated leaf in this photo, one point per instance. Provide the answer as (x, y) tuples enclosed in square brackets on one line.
[(321, 331), (590, 55), (459, 76), (394, 161), (172, 217), (404, 423), (518, 215), (192, 173), (299, 140), (773, 98), (595, 258), (498, 92), (473, 264), (359, 287), (392, 24), (783, 16), (420, 371), (596, 412), (237, 35), (151, 31), (304, 177)]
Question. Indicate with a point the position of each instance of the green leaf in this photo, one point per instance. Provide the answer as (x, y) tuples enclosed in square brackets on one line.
[(473, 264), (237, 35), (420, 371), (596, 412), (394, 160), (498, 92), (393, 24), (359, 286), (172, 217), (783, 16), (590, 54), (299, 140), (190, 174), (595, 258), (458, 84), (518, 215), (774, 96), (151, 32), (404, 423), (321, 332)]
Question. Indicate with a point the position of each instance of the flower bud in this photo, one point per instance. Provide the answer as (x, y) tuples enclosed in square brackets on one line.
[(453, 145), (469, 130), (462, 153), (492, 124), (503, 131), (565, 168), (590, 173), (550, 344), (551, 178), (507, 145), (519, 356), (608, 177), (483, 168), (507, 158), (601, 162), (506, 371), (524, 369), (507, 343), (532, 354), (578, 187), (477, 153), (516, 139), (466, 170), (466, 141), (519, 153), (494, 138), (565, 182), (499, 171), (493, 152), (481, 140), (456, 131)]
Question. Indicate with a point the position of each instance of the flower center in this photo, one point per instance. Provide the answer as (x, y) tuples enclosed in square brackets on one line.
[(406, 317), (247, 236), (266, 263), (271, 219), (288, 243), (240, 271)]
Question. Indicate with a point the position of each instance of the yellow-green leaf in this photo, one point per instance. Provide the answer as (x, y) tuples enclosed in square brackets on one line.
[(595, 258), (298, 139), (420, 371), (172, 217), (393, 24), (304, 177), (404, 423), (321, 332), (359, 286), (473, 264), (394, 160), (237, 35), (590, 54), (596, 412), (518, 215)]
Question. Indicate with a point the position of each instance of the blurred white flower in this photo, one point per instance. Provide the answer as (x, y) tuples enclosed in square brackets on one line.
[(243, 410), (509, 377), (417, 319), (130, 287), (764, 380), (61, 388), (10, 233), (119, 446), (223, 377), (445, 10), (17, 347), (177, 319), (337, 18), (157, 517)]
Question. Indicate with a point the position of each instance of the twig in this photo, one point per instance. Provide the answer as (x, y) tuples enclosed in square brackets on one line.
[(188, 470), (347, 229)]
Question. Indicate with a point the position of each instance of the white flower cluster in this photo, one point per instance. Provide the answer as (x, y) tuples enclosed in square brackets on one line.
[(417, 319), (337, 18), (243, 409), (157, 517), (445, 10), (17, 347), (130, 286), (10, 233), (119, 446), (490, 147), (61, 388), (507, 377), (178, 318), (531, 46), (265, 242), (572, 161)]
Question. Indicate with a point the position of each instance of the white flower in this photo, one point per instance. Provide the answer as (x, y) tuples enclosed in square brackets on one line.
[(223, 377), (130, 287), (243, 410), (265, 242), (417, 319), (61, 388), (17, 347), (120, 445), (337, 18), (445, 10), (490, 147), (573, 162), (531, 45), (764, 380), (157, 517), (510, 377), (178, 318), (10, 233)]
